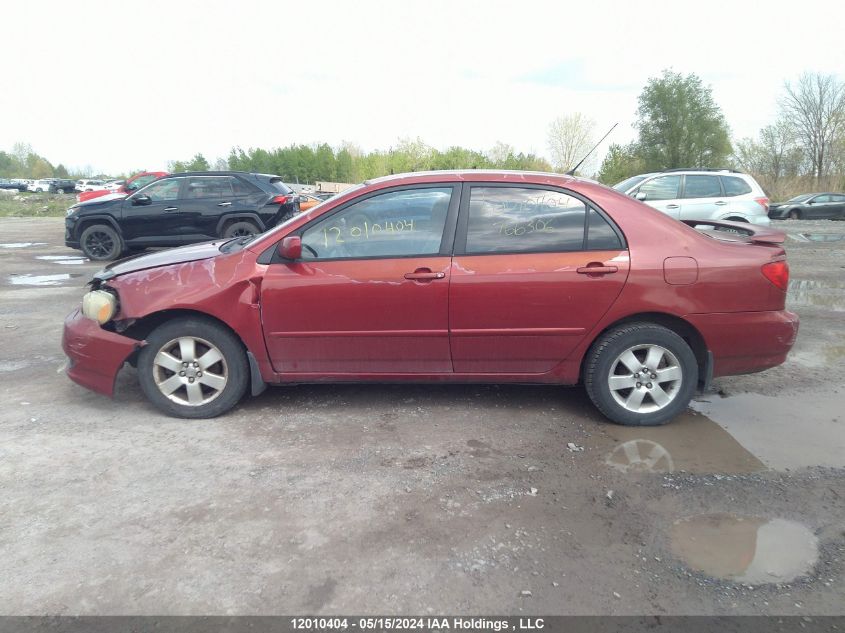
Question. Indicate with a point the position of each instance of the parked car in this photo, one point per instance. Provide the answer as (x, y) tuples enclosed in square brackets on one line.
[(131, 184), (701, 194), (810, 206), (509, 277), (90, 185), (179, 209), (5, 183), (42, 185), (308, 201), (115, 185)]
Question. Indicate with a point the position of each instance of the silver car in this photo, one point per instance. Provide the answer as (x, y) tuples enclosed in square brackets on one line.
[(701, 194)]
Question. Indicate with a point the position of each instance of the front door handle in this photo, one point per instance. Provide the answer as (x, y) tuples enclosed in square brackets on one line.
[(720, 202), (169, 209), (671, 206), (424, 274), (596, 268), (225, 204)]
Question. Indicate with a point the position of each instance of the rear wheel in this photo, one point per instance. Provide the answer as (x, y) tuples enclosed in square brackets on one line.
[(640, 374), (193, 368), (240, 229), (100, 242)]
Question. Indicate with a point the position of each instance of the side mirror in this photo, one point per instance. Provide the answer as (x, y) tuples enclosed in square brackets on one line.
[(641, 195), (291, 248), (141, 200)]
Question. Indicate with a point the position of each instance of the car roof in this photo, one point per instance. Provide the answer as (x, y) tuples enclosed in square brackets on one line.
[(219, 173), (456, 175)]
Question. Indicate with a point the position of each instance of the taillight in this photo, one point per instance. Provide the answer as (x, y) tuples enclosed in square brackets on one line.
[(777, 273), (763, 202), (281, 200)]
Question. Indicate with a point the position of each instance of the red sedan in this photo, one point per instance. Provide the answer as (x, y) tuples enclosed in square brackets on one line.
[(472, 276)]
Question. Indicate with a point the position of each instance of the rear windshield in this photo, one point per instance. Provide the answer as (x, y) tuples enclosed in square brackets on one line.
[(279, 186)]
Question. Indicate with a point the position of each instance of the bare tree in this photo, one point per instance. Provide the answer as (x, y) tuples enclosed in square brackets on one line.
[(570, 138), (815, 109)]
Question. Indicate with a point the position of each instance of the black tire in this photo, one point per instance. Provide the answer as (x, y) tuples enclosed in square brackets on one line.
[(604, 357), (234, 365), (60, 190), (100, 242), (795, 214), (239, 229)]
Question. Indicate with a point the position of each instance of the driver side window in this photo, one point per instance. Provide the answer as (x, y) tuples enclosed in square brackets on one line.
[(163, 190), (394, 224)]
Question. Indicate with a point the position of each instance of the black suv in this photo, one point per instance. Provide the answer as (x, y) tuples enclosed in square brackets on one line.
[(179, 209)]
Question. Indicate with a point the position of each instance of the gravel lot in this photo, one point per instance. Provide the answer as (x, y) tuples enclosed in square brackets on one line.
[(417, 499)]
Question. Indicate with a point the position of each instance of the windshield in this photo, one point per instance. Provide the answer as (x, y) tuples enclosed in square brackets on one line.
[(628, 183), (802, 198)]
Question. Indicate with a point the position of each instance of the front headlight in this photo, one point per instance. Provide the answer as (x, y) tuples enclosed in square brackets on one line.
[(99, 305), (71, 211)]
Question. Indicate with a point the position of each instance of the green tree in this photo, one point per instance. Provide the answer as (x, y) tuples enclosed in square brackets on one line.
[(620, 163), (197, 163), (680, 125), (60, 171)]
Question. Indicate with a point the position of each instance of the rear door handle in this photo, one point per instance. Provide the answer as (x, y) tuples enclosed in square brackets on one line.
[(225, 204), (424, 274), (596, 269), (720, 202), (671, 206), (169, 209)]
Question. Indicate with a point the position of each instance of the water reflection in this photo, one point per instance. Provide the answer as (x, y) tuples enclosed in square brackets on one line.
[(820, 294), (692, 443), (749, 550)]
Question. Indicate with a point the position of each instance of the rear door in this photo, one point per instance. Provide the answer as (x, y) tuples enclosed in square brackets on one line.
[(702, 198), (534, 270), (662, 193), (207, 200), (822, 207), (838, 203)]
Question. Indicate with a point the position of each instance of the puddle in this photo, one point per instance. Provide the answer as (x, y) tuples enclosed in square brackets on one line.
[(692, 443), (41, 280), (22, 244), (820, 294), (818, 237), (67, 260), (784, 431), (746, 550), (13, 365)]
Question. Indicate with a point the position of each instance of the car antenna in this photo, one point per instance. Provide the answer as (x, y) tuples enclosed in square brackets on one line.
[(571, 172)]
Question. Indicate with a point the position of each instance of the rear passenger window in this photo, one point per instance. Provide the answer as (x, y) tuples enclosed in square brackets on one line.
[(600, 235), (210, 187), (702, 187), (735, 186), (243, 188), (522, 220)]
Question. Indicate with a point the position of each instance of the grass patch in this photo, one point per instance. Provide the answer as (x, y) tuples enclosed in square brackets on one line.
[(35, 205)]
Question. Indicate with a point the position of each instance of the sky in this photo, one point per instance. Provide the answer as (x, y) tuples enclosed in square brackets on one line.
[(114, 87)]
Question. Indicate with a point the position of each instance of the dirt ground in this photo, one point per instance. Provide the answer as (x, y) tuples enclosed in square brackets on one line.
[(417, 499)]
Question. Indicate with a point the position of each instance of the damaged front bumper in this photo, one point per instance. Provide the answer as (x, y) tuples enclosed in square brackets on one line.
[(96, 355)]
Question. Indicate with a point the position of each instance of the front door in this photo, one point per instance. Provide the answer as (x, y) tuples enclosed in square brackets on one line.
[(662, 193), (534, 270), (370, 294), (151, 215)]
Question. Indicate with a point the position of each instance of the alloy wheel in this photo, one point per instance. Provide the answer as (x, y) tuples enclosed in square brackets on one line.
[(645, 378), (190, 371), (99, 244)]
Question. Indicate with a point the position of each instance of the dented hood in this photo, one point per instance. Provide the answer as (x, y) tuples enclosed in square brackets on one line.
[(180, 255)]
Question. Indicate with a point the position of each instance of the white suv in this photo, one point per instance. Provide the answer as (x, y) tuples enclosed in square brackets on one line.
[(90, 185), (701, 194)]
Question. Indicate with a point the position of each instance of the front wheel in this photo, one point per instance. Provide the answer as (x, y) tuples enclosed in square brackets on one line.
[(640, 374), (193, 368), (100, 242), (795, 214)]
